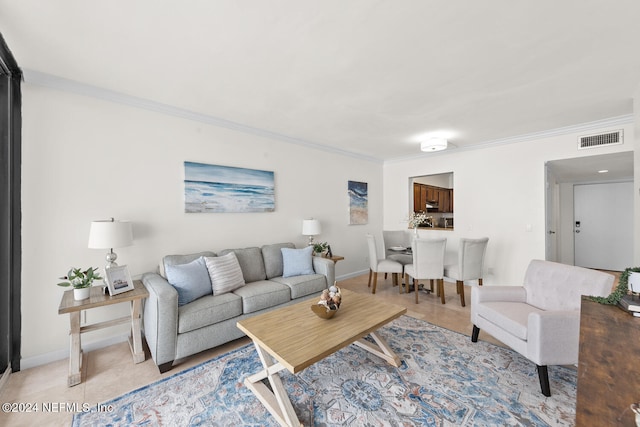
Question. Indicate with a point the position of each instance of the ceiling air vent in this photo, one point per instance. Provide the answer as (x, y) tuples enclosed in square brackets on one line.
[(593, 141)]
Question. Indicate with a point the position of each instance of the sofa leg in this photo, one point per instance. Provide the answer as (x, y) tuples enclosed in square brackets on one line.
[(543, 374), (475, 333), (165, 367)]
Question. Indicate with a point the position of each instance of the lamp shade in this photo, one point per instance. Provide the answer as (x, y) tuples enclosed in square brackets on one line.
[(108, 233), (311, 227)]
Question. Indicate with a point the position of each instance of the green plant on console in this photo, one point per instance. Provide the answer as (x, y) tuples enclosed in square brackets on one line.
[(620, 290), (79, 279)]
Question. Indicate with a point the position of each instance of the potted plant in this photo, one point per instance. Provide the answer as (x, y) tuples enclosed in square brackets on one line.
[(621, 290), (81, 281), (319, 248)]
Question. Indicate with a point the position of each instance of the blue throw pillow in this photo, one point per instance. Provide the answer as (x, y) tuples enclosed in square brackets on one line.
[(297, 262), (190, 280)]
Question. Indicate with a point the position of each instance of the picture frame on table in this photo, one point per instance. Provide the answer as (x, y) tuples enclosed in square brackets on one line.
[(118, 280)]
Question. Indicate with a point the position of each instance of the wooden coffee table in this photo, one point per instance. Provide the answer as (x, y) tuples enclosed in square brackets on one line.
[(294, 338)]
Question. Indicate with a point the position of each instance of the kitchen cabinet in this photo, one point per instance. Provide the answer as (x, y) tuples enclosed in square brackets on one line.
[(437, 196)]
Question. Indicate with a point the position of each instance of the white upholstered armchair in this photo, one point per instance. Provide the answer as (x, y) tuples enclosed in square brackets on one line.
[(541, 319)]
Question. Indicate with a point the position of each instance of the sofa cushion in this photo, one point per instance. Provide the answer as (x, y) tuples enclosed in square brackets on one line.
[(513, 317), (180, 259), (262, 294), (251, 263), (208, 310), (297, 262), (272, 256), (190, 280), (301, 286), (225, 273)]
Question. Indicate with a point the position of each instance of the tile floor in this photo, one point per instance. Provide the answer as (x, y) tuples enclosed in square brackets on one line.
[(110, 372)]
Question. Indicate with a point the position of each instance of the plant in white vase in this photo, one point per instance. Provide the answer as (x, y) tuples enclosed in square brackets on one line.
[(81, 281), (319, 247)]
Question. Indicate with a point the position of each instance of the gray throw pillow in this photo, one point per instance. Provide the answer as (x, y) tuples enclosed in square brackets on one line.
[(297, 262), (190, 280), (225, 273)]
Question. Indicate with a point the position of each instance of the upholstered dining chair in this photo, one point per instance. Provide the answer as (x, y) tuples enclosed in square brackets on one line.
[(428, 264), (470, 264), (380, 265), (396, 239)]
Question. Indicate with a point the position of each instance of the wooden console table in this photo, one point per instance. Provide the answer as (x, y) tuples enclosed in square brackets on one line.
[(99, 299), (608, 372)]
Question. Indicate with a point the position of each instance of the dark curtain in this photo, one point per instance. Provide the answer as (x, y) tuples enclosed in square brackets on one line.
[(10, 212)]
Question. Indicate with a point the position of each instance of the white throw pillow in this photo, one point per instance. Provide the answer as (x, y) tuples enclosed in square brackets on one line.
[(225, 273)]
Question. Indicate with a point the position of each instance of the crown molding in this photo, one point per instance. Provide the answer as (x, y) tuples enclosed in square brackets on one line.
[(59, 83), (582, 127)]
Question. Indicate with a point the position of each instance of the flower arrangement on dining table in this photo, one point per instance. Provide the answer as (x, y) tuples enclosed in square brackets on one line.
[(417, 218)]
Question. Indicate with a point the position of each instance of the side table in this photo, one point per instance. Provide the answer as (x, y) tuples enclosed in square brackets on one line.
[(336, 258), (99, 299)]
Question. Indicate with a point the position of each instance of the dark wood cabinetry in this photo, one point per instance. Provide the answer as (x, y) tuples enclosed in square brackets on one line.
[(441, 198), (607, 366)]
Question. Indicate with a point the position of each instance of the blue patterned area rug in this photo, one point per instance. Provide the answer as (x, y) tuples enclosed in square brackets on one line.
[(444, 380)]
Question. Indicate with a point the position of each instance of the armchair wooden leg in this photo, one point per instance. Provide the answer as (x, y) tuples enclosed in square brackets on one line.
[(543, 375), (369, 283), (441, 289), (460, 286), (375, 282), (415, 288), (475, 333)]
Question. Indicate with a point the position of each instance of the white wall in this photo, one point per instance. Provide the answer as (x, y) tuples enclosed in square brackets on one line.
[(85, 159), (499, 192)]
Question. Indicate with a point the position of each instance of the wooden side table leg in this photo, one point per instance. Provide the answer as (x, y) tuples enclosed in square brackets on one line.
[(75, 350), (135, 340)]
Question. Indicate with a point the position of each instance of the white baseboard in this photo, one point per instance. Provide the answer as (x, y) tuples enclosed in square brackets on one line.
[(43, 359), (351, 275)]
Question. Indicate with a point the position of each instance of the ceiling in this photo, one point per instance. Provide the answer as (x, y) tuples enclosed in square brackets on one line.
[(367, 78)]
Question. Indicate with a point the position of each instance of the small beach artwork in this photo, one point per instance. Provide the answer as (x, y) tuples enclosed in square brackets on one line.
[(358, 203), (215, 188)]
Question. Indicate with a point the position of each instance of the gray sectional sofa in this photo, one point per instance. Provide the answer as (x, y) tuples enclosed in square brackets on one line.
[(175, 331)]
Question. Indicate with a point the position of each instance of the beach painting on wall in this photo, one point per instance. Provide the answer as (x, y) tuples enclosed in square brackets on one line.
[(214, 188), (358, 202)]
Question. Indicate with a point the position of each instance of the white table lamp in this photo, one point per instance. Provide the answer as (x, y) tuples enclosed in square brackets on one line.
[(109, 234), (311, 227)]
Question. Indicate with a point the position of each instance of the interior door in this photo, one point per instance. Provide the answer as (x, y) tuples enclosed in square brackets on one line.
[(603, 225)]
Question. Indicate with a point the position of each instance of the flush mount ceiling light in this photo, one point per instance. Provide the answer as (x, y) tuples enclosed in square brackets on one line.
[(433, 144)]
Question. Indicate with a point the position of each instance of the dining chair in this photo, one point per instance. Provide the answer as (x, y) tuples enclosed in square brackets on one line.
[(470, 264), (397, 239), (380, 265), (428, 264)]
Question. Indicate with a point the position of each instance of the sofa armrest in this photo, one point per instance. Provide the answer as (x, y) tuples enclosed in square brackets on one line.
[(553, 337), (326, 267), (160, 318)]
